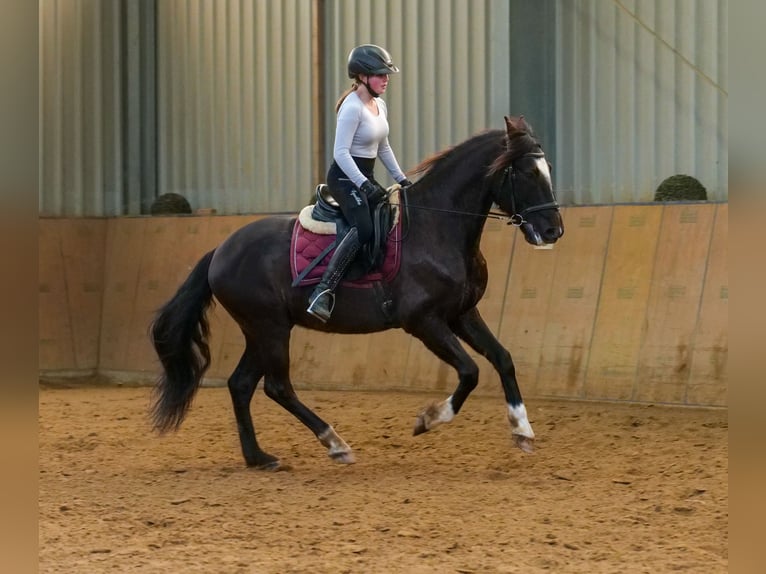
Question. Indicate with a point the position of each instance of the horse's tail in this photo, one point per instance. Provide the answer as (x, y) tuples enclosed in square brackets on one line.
[(179, 334)]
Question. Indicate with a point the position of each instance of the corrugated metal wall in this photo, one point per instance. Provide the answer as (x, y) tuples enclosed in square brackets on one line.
[(641, 95), (80, 142), (236, 90), (623, 93), (235, 107), (97, 150)]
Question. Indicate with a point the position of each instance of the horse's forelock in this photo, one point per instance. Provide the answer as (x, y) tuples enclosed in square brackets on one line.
[(518, 143)]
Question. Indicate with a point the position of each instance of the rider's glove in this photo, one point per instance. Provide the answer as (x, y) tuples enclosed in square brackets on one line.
[(373, 191)]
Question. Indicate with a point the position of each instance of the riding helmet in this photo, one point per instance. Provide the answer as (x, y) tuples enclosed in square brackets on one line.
[(369, 59)]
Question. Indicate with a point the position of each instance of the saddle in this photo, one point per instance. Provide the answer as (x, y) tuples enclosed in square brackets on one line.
[(320, 226)]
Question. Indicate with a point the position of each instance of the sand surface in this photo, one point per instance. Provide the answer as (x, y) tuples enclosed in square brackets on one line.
[(610, 488)]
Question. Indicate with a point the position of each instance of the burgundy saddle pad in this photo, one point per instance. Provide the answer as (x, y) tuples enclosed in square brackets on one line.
[(307, 246)]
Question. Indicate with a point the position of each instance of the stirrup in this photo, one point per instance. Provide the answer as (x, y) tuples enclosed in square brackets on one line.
[(318, 309)]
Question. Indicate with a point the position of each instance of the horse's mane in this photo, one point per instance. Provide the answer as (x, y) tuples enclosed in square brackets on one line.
[(519, 140)]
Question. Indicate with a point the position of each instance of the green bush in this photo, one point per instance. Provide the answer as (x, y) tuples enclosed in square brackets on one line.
[(170, 204), (680, 188)]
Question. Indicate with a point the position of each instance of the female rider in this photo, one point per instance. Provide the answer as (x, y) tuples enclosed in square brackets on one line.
[(361, 135)]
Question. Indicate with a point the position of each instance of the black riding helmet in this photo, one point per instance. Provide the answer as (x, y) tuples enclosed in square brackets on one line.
[(370, 60)]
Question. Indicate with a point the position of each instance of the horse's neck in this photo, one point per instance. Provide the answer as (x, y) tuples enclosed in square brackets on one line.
[(455, 211), (456, 195)]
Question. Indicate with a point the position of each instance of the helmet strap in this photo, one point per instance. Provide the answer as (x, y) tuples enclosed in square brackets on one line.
[(372, 92)]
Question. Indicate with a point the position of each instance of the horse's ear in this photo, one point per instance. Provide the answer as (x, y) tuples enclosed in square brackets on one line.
[(510, 125)]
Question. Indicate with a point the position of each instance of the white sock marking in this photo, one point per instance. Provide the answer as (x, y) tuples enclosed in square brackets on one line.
[(519, 422)]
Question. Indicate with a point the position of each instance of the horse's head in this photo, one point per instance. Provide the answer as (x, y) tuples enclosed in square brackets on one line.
[(525, 189)]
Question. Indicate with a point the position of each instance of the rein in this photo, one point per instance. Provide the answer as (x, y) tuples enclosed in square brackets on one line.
[(517, 219), (490, 215)]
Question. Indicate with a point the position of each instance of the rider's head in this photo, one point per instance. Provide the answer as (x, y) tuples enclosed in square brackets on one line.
[(369, 60)]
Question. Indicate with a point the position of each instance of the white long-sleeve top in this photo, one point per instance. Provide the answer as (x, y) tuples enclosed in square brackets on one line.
[(361, 133)]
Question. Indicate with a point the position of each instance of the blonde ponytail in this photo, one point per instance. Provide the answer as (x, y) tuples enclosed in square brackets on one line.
[(345, 94)]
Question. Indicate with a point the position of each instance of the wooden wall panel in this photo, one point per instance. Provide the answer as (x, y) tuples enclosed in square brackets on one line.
[(309, 356), (366, 362), (56, 337), (708, 382), (83, 243), (122, 267), (71, 274), (387, 358), (346, 365), (656, 329), (674, 300), (616, 341), (573, 301)]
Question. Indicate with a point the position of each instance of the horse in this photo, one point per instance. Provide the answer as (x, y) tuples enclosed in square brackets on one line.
[(442, 277)]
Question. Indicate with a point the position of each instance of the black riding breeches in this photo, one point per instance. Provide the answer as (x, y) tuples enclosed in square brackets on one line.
[(353, 203)]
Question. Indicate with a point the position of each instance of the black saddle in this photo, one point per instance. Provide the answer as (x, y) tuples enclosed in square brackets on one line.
[(371, 255)]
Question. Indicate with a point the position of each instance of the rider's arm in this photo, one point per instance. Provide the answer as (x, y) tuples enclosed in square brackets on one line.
[(388, 158), (386, 154), (347, 124)]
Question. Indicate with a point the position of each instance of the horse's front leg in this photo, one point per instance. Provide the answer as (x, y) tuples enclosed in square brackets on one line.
[(442, 342), (473, 330)]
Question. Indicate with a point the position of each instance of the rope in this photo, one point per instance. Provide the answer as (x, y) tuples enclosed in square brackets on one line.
[(685, 60)]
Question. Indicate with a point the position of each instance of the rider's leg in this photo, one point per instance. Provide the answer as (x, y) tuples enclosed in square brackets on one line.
[(322, 300), (353, 203)]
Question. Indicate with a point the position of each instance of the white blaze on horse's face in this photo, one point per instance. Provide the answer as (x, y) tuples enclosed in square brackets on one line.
[(542, 165)]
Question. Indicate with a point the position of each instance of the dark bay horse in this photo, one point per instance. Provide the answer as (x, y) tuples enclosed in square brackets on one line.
[(442, 277)]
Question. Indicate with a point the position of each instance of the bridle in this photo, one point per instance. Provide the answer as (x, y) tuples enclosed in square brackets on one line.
[(518, 218)]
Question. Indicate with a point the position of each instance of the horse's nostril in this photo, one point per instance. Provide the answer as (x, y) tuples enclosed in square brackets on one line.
[(551, 234)]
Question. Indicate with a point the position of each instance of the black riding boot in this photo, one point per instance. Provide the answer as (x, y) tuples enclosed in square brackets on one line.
[(322, 299)]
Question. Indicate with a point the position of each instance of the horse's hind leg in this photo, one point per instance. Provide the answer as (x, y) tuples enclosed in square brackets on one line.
[(242, 385), (473, 330), (275, 354)]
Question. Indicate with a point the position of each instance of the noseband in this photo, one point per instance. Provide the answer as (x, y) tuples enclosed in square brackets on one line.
[(509, 175)]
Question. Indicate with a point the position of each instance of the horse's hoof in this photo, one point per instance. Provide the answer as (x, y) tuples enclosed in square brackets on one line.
[(428, 418), (269, 463), (344, 457), (524, 443), (420, 426), (278, 466)]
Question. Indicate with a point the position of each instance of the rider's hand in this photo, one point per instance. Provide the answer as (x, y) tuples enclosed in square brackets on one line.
[(373, 191), (405, 182)]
